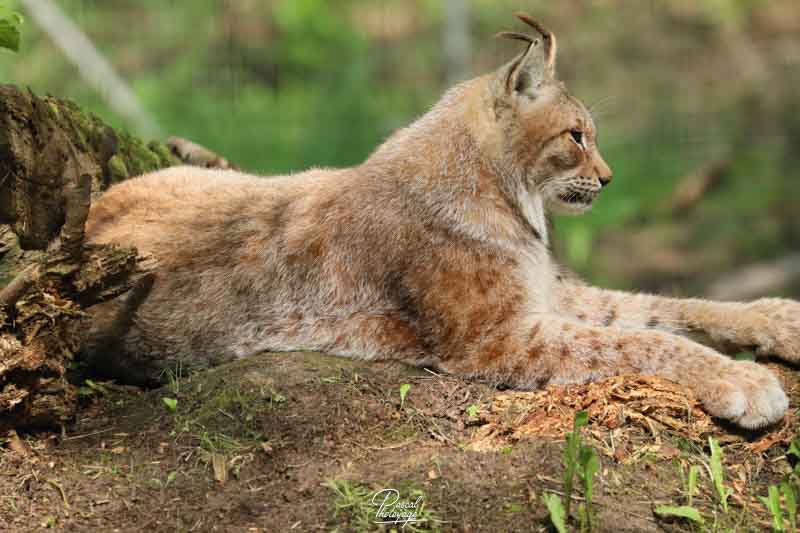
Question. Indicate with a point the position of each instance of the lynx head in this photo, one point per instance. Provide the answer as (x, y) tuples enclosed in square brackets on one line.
[(546, 137)]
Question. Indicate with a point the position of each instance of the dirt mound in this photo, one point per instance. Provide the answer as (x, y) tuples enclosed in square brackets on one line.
[(306, 441)]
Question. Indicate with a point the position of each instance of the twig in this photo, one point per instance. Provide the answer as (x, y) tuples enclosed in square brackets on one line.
[(429, 371), (12, 292), (60, 489), (76, 437)]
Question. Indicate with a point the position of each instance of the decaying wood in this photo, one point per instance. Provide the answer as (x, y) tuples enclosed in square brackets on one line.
[(196, 155), (53, 159), (23, 281)]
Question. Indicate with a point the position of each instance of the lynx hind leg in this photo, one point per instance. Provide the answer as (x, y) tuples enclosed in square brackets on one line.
[(104, 348)]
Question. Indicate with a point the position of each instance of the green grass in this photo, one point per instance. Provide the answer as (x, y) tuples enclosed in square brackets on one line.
[(582, 461), (358, 506), (781, 499), (722, 513)]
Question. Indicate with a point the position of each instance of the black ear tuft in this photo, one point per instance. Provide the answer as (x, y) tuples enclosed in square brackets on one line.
[(536, 64)]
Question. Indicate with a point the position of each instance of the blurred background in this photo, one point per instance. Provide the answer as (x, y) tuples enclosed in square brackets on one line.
[(697, 104)]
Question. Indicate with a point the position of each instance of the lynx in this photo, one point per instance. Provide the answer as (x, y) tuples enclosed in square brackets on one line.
[(434, 251)]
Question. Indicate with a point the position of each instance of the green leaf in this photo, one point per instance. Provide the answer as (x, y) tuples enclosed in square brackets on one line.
[(691, 488), (589, 466), (404, 388), (571, 452), (556, 510), (589, 461), (9, 29), (794, 448), (718, 474), (472, 411), (171, 403), (683, 511), (790, 503), (277, 397), (96, 386), (581, 419), (773, 503)]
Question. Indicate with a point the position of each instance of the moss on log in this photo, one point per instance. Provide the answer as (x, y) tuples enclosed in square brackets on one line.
[(54, 158), (40, 138)]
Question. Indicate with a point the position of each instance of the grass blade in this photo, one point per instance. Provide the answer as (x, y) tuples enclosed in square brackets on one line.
[(718, 474), (691, 487), (556, 510), (773, 503), (683, 511), (790, 503)]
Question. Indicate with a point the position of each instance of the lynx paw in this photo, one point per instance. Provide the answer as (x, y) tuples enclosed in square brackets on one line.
[(781, 334), (745, 393)]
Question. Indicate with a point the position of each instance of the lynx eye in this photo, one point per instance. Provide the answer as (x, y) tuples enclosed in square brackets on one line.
[(577, 136)]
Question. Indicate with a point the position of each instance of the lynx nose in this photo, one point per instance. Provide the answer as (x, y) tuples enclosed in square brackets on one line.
[(604, 180)]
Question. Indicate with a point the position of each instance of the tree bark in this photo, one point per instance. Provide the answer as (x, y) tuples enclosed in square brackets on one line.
[(53, 159)]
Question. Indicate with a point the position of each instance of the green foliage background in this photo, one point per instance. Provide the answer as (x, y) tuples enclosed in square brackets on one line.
[(281, 85)]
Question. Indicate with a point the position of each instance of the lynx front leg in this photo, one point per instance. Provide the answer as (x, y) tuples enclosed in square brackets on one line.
[(770, 326), (559, 351)]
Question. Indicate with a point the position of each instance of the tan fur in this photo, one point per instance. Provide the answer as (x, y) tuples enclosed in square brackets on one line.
[(433, 251)]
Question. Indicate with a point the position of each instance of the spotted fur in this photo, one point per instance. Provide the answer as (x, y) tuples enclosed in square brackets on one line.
[(434, 251)]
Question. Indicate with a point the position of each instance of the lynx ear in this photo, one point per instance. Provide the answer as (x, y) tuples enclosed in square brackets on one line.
[(536, 65)]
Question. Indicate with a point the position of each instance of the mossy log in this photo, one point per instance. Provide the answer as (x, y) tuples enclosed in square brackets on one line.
[(53, 159)]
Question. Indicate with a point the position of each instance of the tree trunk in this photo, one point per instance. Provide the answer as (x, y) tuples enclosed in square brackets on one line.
[(53, 159)]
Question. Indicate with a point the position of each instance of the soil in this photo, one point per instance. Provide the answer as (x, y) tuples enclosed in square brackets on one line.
[(302, 441)]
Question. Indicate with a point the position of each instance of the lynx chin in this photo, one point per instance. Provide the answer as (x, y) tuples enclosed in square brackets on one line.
[(434, 251)]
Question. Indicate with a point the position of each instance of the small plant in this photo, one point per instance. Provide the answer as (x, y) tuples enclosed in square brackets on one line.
[(10, 21), (404, 388), (91, 388), (794, 451), (556, 510), (581, 460), (687, 511), (472, 411), (680, 511), (718, 474), (790, 502), (276, 398), (691, 484), (788, 491), (588, 466), (360, 506), (723, 492), (174, 379), (773, 504), (170, 403)]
